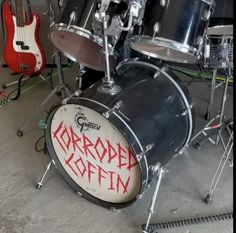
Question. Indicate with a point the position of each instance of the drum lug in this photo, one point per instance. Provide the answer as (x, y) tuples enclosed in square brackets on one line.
[(143, 153), (180, 152), (156, 74), (74, 95), (72, 18), (114, 210), (156, 29), (165, 69), (207, 14), (110, 111), (186, 111), (80, 194), (155, 168), (163, 3)]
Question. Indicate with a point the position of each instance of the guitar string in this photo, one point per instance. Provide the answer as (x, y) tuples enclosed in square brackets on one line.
[(18, 32)]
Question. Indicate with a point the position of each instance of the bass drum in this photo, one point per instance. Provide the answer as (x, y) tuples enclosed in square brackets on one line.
[(109, 147)]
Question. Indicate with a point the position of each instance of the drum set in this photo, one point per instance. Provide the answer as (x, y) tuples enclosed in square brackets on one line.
[(112, 140)]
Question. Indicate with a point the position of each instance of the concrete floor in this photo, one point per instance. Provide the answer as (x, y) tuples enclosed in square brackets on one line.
[(56, 208)]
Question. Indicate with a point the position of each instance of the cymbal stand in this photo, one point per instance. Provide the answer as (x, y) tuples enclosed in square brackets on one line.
[(61, 88), (215, 127), (160, 174), (212, 93), (225, 157)]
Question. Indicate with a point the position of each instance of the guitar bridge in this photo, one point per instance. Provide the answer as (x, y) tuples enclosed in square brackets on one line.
[(24, 67)]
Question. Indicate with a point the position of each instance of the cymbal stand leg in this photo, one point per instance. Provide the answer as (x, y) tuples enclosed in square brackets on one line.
[(224, 99), (62, 88), (212, 94), (41, 106), (203, 131), (40, 183), (153, 201), (220, 168)]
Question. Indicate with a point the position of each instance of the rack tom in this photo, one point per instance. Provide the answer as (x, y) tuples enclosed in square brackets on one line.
[(74, 36), (173, 30)]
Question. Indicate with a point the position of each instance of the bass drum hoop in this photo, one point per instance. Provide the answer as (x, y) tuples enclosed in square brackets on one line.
[(114, 119)]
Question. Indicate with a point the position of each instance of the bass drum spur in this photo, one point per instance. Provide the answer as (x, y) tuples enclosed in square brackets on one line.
[(110, 147), (73, 35)]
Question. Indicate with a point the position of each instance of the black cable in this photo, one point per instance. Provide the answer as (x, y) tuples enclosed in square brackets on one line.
[(18, 89), (37, 143)]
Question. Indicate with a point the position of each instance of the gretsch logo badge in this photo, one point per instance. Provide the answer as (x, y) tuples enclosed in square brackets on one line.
[(83, 123)]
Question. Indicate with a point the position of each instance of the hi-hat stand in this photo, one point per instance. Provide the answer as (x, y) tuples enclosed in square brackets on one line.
[(215, 127)]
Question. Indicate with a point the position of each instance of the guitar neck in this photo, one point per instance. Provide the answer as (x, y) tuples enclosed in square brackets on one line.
[(20, 16), (29, 9)]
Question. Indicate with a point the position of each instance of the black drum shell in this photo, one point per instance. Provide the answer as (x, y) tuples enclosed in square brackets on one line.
[(180, 21), (154, 107), (83, 16)]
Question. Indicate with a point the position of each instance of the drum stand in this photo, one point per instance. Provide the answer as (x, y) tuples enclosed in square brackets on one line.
[(61, 88), (216, 126), (160, 174), (108, 85), (212, 94)]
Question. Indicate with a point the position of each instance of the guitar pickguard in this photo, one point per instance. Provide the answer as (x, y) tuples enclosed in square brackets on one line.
[(24, 41)]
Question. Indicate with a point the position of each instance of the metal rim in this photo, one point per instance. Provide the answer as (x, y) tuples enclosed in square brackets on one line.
[(209, 2), (166, 43), (77, 30), (81, 32)]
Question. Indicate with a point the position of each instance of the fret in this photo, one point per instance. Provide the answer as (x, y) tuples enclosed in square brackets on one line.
[(20, 16)]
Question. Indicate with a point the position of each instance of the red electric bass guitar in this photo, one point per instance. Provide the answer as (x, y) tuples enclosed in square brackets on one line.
[(23, 53)]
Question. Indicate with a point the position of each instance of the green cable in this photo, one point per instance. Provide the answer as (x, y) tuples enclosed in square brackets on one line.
[(29, 89), (195, 74)]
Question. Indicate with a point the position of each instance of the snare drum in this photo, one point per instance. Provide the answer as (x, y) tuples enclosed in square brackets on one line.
[(174, 30), (219, 52), (110, 147), (73, 35)]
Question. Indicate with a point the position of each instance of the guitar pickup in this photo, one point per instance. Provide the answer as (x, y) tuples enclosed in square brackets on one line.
[(20, 43), (25, 47)]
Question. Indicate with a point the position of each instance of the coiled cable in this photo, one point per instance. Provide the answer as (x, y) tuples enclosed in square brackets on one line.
[(190, 221)]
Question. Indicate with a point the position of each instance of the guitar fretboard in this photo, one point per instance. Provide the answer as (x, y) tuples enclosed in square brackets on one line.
[(20, 17)]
